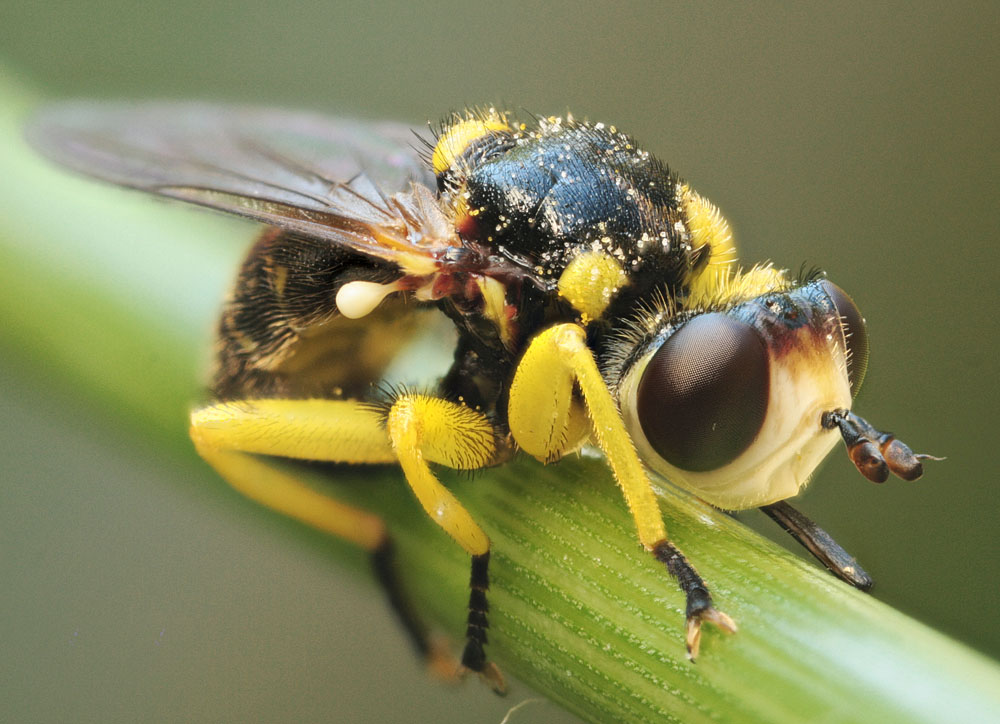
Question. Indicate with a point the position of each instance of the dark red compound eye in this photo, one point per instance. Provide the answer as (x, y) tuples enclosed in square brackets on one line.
[(855, 335), (703, 396)]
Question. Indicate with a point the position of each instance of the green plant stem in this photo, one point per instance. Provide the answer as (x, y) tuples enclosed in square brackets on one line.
[(110, 296)]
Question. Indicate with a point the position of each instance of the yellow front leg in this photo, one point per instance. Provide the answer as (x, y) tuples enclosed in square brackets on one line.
[(540, 415)]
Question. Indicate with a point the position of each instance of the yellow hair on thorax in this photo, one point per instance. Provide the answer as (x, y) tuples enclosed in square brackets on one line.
[(743, 284), (717, 282), (711, 234), (463, 132)]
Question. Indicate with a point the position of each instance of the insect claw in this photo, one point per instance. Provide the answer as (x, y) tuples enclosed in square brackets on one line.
[(693, 637), (720, 619), (693, 631), (492, 677)]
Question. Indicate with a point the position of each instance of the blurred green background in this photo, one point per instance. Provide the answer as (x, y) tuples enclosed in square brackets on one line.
[(860, 139)]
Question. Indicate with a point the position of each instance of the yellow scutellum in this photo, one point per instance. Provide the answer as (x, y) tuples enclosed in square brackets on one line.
[(590, 281)]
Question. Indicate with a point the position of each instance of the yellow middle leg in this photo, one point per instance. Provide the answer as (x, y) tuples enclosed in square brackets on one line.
[(419, 428), (235, 438), (424, 428)]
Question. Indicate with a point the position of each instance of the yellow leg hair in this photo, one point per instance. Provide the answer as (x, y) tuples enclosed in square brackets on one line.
[(539, 416), (425, 428), (342, 431), (334, 430), (420, 428), (231, 435), (264, 483)]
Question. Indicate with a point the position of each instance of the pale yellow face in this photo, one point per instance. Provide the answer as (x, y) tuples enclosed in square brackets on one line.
[(790, 445), (806, 375)]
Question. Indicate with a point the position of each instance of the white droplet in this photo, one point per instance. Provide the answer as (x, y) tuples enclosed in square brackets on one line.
[(358, 299)]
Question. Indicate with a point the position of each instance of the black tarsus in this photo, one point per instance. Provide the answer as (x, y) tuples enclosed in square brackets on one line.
[(696, 592), (474, 655), (819, 543)]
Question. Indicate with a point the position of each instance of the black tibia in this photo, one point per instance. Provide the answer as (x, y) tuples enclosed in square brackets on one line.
[(274, 334), (699, 600), (474, 656), (384, 564), (818, 542), (874, 453)]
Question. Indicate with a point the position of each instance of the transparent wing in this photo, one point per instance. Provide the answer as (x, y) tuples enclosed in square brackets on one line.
[(296, 170)]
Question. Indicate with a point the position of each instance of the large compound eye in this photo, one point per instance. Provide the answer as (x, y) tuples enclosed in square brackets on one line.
[(703, 396), (855, 335)]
